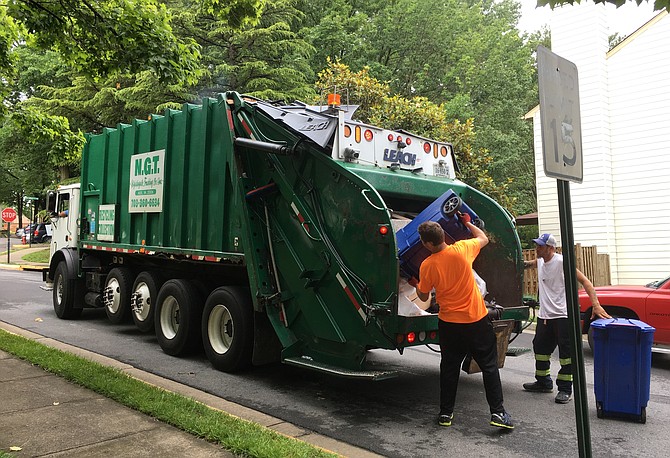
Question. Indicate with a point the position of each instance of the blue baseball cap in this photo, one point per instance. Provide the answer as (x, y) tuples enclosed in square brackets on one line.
[(545, 239)]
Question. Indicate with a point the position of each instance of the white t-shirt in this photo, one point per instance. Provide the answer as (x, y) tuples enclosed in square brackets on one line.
[(551, 285)]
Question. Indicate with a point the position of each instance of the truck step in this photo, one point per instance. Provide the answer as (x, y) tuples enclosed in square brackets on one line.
[(306, 362)]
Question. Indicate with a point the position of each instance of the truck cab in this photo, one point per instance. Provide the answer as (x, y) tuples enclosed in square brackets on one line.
[(63, 206)]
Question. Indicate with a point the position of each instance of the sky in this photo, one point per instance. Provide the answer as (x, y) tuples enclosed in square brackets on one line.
[(624, 20)]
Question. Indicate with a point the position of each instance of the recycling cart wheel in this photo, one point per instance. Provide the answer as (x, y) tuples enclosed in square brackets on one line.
[(228, 329), (177, 317), (599, 409), (451, 206)]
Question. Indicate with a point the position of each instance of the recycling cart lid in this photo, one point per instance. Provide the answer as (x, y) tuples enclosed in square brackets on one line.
[(604, 323)]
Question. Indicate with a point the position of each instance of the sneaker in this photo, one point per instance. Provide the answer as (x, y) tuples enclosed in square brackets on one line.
[(502, 420), (537, 387), (445, 419), (563, 397)]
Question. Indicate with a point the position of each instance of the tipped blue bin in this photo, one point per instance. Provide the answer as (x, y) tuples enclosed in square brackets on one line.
[(622, 367), (443, 211)]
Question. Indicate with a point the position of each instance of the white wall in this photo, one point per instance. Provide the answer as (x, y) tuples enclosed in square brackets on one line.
[(639, 87), (579, 33), (623, 205)]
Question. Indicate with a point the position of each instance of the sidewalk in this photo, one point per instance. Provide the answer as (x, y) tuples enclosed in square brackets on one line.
[(44, 414), (16, 255)]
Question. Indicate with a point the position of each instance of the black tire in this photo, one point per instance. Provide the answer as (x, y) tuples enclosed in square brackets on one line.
[(599, 409), (144, 296), (228, 329), (65, 293), (46, 239), (116, 296), (177, 316)]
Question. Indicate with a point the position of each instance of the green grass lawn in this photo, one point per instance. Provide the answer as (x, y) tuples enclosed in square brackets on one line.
[(38, 256)]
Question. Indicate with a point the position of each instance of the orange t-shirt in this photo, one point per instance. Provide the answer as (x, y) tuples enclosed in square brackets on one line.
[(450, 273)]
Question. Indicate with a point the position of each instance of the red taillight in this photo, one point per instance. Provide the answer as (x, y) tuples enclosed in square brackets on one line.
[(390, 137), (37, 232), (426, 147), (433, 335), (411, 337), (408, 141), (368, 135), (383, 230)]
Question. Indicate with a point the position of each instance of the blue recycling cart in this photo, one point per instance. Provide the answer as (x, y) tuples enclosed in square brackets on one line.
[(444, 210), (622, 367)]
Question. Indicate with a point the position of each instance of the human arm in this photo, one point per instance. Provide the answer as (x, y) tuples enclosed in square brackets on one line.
[(421, 295), (476, 232), (596, 309), (529, 264)]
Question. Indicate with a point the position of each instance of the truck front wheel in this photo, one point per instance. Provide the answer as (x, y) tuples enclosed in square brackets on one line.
[(116, 296), (177, 317), (228, 329), (145, 293), (64, 294)]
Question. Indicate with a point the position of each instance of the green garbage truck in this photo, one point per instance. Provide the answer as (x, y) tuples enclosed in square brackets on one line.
[(263, 233)]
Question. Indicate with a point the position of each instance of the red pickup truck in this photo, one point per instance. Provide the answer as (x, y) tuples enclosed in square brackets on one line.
[(649, 303)]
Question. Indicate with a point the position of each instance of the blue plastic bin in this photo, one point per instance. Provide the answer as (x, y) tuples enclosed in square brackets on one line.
[(622, 367), (410, 250)]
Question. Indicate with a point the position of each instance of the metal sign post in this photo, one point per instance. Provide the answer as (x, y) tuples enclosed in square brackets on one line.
[(562, 151), (8, 215), (32, 220)]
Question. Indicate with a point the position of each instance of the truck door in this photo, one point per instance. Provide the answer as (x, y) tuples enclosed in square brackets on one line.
[(64, 220)]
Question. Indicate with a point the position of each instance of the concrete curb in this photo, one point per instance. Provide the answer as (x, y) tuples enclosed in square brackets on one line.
[(213, 402)]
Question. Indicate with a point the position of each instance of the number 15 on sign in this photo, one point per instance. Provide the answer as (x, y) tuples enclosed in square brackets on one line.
[(560, 116)]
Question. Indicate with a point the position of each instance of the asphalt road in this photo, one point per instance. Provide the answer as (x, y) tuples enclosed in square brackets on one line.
[(394, 418)]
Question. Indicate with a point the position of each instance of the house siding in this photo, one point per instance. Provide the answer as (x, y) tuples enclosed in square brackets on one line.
[(623, 204), (640, 133)]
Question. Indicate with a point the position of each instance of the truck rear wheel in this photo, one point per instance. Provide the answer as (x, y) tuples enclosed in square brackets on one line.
[(143, 298), (228, 329), (64, 294), (177, 317), (116, 296)]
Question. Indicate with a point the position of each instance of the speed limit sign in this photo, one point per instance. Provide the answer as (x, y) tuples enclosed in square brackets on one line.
[(8, 215), (560, 117)]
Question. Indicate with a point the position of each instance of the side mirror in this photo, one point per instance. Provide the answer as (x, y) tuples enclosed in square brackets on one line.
[(51, 202)]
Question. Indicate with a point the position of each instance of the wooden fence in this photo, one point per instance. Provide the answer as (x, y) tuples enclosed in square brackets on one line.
[(595, 266)]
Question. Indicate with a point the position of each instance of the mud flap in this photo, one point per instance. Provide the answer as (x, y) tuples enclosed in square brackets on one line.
[(267, 348)]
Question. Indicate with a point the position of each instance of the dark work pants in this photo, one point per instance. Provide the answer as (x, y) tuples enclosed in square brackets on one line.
[(477, 339), (549, 334)]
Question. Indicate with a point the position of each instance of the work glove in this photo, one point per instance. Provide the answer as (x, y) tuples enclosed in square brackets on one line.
[(464, 217)]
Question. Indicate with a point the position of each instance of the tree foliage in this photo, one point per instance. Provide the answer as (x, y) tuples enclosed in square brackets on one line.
[(103, 37), (268, 59), (454, 70)]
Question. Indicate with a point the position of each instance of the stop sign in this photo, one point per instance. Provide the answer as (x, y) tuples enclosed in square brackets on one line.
[(8, 215)]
